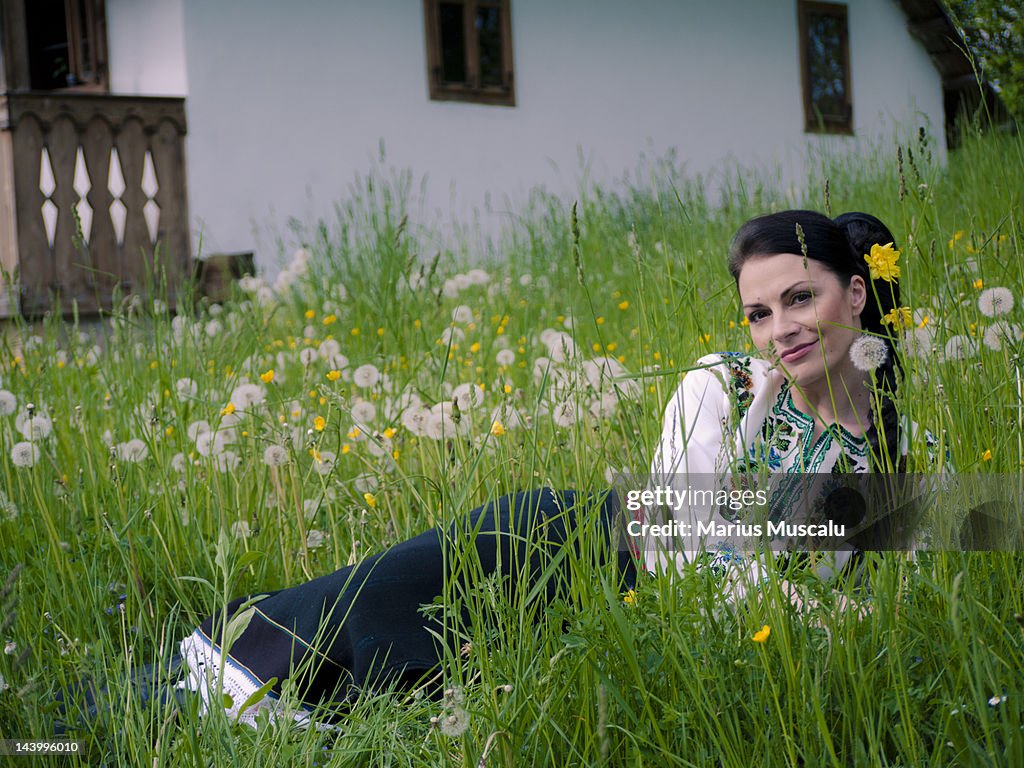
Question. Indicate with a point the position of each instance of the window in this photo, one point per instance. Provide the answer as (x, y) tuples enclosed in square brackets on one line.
[(825, 67), (469, 51), (66, 44)]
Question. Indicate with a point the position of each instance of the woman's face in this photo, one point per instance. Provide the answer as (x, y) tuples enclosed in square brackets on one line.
[(800, 314)]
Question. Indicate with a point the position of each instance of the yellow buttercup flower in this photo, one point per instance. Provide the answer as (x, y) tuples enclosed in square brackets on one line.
[(497, 428), (900, 318), (630, 597), (882, 262), (762, 634), (319, 423), (370, 499), (267, 377), (333, 375), (987, 455), (227, 410)]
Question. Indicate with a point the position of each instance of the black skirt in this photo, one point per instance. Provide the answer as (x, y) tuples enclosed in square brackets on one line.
[(363, 627)]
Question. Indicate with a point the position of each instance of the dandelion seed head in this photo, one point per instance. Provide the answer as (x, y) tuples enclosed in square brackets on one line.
[(455, 723), (24, 455), (275, 455), (8, 403), (960, 348), (999, 333), (996, 301), (869, 353), (132, 451), (366, 376)]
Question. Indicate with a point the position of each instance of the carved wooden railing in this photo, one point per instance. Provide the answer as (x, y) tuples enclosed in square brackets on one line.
[(93, 190)]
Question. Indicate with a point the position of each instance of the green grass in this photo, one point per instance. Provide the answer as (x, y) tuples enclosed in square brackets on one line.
[(111, 562)]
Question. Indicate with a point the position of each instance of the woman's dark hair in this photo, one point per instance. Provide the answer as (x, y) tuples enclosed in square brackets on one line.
[(840, 245)]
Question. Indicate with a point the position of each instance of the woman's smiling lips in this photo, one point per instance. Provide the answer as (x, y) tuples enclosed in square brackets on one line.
[(796, 353)]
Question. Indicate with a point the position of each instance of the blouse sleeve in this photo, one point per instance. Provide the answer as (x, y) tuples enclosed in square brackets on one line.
[(694, 454)]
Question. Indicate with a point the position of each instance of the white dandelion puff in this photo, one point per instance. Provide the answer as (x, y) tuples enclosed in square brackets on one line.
[(214, 328), (366, 483), (999, 333), (240, 529), (275, 456), (308, 356), (462, 314), (455, 723), (363, 412), (8, 403), (996, 301), (196, 428), (604, 406), (565, 413), (467, 396), (477, 277), (133, 451), (24, 454), (869, 353), (186, 388), (505, 357), (245, 396), (179, 462), (33, 428), (227, 461), (315, 539), (414, 419), (366, 376), (323, 462), (960, 348)]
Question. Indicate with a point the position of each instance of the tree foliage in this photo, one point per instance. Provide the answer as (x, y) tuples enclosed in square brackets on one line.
[(994, 31)]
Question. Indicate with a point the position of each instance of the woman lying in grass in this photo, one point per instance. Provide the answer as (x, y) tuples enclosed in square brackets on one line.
[(817, 294)]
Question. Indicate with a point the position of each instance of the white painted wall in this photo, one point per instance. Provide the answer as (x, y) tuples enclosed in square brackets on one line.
[(146, 41), (288, 101)]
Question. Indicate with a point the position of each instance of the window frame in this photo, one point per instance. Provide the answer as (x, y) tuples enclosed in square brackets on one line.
[(16, 58), (814, 122), (469, 91)]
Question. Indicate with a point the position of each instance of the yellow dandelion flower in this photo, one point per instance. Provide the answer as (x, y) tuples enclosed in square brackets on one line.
[(497, 428), (355, 331), (310, 314), (987, 455), (882, 262), (474, 347), (508, 389), (600, 321), (169, 431), (330, 319), (395, 454), (389, 433), (978, 284), (354, 433), (611, 346), (227, 410), (370, 499), (333, 375), (267, 376), (345, 449), (319, 423), (762, 634), (900, 318), (623, 305)]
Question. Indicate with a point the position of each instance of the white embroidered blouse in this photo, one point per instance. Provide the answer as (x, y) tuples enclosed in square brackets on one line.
[(736, 413)]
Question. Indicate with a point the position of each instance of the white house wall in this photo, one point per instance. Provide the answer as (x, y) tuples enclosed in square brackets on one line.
[(286, 102)]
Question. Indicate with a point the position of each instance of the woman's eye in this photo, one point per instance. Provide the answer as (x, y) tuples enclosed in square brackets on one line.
[(801, 297), (753, 317)]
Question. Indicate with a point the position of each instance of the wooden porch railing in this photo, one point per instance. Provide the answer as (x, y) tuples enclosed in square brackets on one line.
[(92, 197)]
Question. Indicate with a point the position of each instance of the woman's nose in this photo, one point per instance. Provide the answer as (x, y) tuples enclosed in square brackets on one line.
[(783, 327)]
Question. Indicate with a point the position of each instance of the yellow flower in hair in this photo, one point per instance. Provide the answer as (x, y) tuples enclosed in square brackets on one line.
[(900, 318), (882, 262)]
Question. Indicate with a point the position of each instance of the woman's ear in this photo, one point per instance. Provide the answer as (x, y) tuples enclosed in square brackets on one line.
[(858, 293)]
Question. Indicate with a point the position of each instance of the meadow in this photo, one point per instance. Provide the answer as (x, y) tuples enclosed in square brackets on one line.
[(158, 466)]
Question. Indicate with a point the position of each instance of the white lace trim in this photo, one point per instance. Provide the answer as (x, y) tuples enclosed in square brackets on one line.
[(204, 663)]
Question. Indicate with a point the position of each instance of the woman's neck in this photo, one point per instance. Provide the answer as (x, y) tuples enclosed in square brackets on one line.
[(836, 402)]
